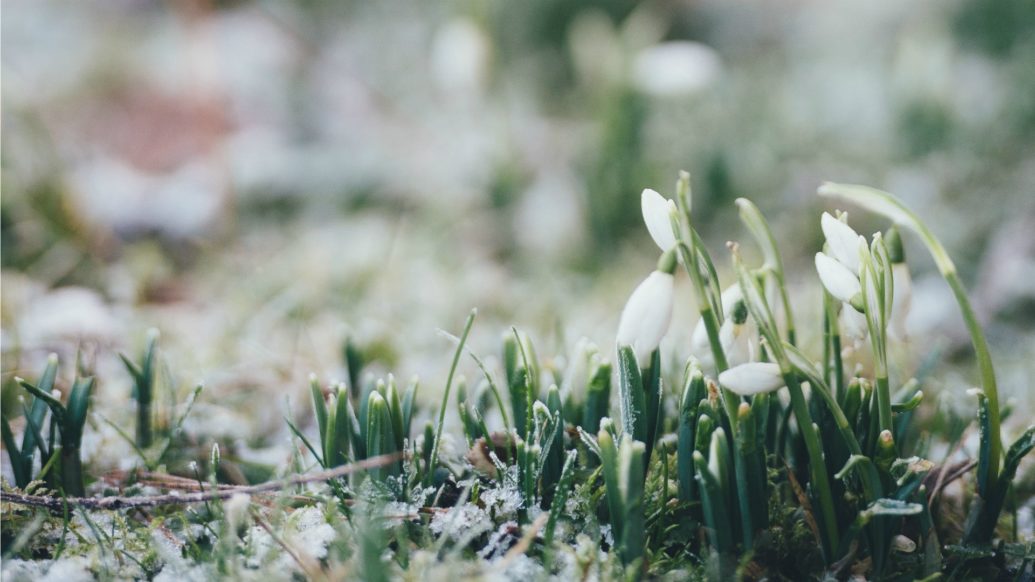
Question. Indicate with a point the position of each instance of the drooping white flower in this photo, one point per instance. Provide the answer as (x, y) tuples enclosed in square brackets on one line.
[(752, 378), (647, 315), (838, 279), (843, 241), (739, 341), (699, 345), (657, 215), (853, 326)]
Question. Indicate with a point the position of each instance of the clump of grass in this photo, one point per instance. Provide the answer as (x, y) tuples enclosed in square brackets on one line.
[(760, 460)]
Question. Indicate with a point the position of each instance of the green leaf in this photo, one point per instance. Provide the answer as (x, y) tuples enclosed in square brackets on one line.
[(320, 411), (631, 395), (380, 440), (598, 394), (715, 515), (560, 499), (554, 451), (632, 468), (22, 473), (409, 404), (609, 464), (78, 406), (693, 390), (445, 397), (341, 436), (396, 412), (56, 408)]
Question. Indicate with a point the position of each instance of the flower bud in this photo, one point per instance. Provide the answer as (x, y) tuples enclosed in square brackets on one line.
[(646, 316), (841, 282), (842, 241), (752, 378), (657, 212)]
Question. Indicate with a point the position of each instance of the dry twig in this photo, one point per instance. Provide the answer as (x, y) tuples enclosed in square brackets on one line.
[(119, 502)]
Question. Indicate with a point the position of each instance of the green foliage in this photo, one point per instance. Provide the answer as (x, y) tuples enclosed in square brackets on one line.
[(143, 388), (68, 421)]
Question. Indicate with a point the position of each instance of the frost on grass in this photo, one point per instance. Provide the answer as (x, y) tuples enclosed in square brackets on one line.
[(305, 531), (461, 521), (72, 569)]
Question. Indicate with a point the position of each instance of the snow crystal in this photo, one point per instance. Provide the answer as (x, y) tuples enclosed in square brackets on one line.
[(504, 500), (465, 521), (498, 542), (519, 569), (72, 569), (306, 532)]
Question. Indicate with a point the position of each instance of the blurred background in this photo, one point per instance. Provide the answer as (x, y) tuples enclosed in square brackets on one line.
[(264, 180)]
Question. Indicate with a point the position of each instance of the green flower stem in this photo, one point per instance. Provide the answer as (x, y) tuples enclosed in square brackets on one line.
[(753, 218), (817, 466), (884, 402), (689, 253), (832, 331), (763, 315), (891, 207), (801, 363), (433, 460), (988, 381), (730, 401)]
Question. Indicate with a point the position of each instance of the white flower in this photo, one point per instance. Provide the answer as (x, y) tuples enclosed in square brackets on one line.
[(752, 378), (902, 300), (838, 279), (675, 68), (699, 345), (843, 241), (853, 325), (647, 315), (657, 214), (739, 341)]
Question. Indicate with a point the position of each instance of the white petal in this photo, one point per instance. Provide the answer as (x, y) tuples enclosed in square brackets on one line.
[(730, 297), (742, 347), (853, 324), (752, 378), (839, 281), (699, 345), (844, 242), (647, 315), (657, 212), (902, 300)]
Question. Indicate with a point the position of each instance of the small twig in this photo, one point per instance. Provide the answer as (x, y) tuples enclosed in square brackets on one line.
[(118, 502), (304, 561), (525, 542)]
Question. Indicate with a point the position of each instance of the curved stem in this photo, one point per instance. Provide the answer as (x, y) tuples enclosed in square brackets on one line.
[(891, 207)]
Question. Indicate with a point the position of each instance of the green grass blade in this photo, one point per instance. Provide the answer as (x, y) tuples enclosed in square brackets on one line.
[(631, 395), (433, 460)]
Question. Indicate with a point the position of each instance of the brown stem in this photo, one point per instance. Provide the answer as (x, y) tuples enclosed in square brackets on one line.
[(118, 502)]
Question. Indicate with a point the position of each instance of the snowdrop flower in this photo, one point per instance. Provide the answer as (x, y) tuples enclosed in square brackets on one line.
[(838, 268), (699, 338), (853, 326), (657, 214), (738, 334), (752, 378), (838, 280), (648, 312), (843, 241)]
